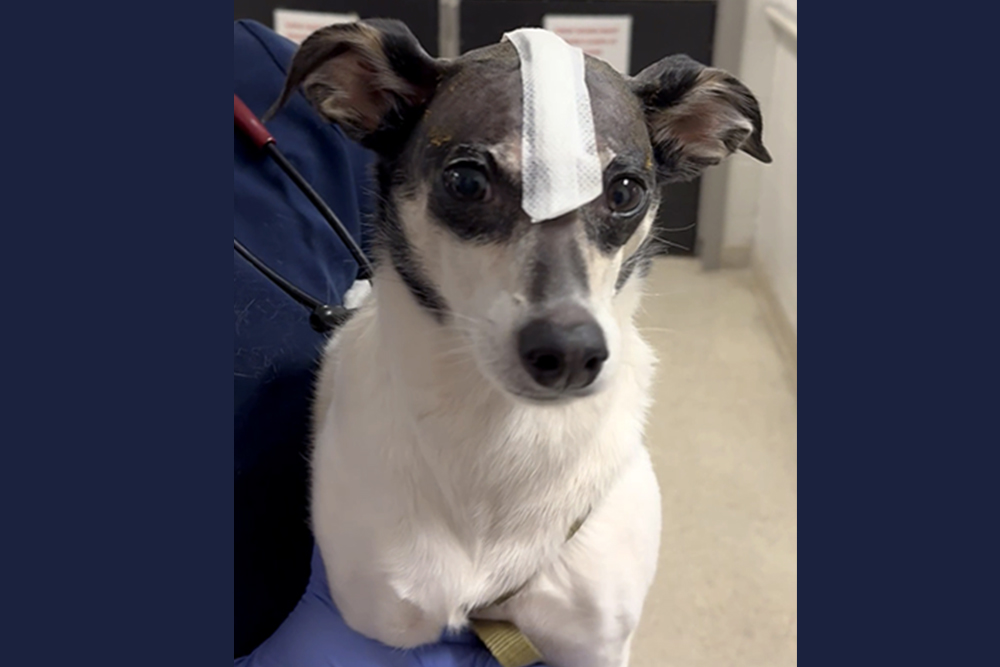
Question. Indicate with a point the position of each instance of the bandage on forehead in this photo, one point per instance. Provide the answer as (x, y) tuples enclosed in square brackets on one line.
[(560, 168)]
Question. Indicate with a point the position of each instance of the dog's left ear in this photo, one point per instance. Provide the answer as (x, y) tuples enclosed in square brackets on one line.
[(368, 77), (697, 116)]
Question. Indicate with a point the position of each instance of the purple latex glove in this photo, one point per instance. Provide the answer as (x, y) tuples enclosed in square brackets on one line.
[(315, 635)]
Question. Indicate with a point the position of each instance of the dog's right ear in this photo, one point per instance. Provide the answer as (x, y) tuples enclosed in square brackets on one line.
[(369, 77)]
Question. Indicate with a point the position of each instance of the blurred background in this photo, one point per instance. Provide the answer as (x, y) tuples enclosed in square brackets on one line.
[(721, 309)]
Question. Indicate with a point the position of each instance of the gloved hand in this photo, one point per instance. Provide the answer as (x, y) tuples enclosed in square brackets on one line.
[(315, 635)]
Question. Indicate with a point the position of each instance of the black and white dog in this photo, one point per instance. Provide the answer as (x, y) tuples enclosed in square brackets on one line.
[(492, 390)]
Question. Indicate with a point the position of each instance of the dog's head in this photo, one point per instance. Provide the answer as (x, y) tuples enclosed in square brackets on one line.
[(540, 303)]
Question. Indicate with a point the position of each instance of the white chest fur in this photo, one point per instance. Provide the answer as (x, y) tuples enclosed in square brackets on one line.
[(435, 493)]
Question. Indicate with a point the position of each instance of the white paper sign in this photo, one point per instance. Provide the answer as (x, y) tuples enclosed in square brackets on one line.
[(606, 37), (296, 25)]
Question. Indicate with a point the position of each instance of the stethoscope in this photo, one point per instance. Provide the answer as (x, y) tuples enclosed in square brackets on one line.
[(323, 317)]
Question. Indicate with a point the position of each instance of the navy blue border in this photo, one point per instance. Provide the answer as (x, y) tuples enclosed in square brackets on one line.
[(898, 240), (116, 427)]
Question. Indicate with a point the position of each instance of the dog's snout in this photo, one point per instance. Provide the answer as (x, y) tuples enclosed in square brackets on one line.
[(563, 355)]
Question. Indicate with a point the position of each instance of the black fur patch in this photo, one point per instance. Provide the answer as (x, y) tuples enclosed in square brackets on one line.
[(559, 266), (609, 231), (394, 245), (490, 221)]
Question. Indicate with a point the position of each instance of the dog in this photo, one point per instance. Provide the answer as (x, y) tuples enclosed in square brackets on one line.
[(478, 424)]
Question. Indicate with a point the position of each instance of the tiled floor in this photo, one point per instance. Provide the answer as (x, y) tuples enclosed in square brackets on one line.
[(723, 437)]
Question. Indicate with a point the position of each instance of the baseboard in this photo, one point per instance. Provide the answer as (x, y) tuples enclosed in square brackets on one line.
[(784, 333), (736, 257)]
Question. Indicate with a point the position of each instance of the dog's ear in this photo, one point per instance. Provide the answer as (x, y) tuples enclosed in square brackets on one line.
[(367, 77), (697, 116)]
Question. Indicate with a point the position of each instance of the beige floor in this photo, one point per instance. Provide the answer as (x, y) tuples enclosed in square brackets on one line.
[(724, 439)]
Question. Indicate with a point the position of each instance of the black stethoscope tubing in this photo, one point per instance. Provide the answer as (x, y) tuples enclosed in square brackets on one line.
[(323, 317)]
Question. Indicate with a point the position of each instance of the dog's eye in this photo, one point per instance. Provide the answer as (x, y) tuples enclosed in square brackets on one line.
[(466, 182), (626, 195)]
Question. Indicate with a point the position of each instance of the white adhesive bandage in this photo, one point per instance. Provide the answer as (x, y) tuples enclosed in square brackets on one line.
[(560, 168)]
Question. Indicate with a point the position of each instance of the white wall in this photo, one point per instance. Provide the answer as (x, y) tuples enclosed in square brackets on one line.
[(775, 236), (756, 69), (755, 207)]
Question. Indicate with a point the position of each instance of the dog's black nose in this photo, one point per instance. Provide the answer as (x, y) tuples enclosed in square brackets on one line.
[(563, 355)]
